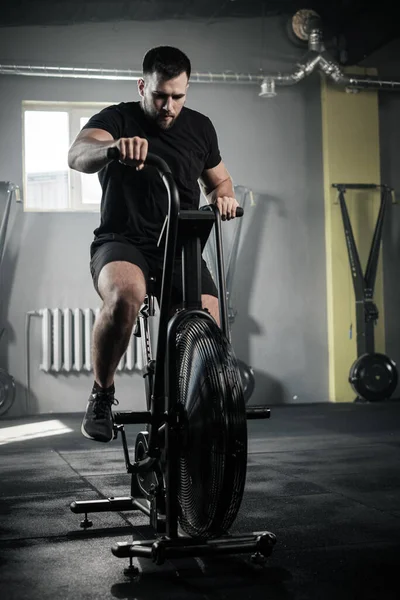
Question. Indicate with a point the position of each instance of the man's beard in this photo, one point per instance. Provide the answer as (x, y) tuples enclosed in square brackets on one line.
[(157, 118), (165, 124)]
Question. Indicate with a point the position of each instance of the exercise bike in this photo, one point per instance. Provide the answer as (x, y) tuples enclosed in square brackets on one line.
[(189, 469)]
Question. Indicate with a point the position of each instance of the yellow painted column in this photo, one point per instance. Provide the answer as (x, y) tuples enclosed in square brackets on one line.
[(351, 154)]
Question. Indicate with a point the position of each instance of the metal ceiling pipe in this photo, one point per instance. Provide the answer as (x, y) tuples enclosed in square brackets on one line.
[(309, 27), (305, 67), (120, 74), (332, 69), (316, 58), (311, 61), (70, 72), (372, 84), (315, 35)]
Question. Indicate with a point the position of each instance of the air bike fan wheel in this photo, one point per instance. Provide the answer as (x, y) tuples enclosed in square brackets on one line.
[(373, 377), (213, 450)]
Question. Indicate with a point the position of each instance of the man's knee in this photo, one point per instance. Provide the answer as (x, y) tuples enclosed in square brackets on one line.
[(122, 287), (212, 305)]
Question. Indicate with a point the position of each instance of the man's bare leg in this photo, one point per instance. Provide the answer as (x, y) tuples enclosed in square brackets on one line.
[(122, 288)]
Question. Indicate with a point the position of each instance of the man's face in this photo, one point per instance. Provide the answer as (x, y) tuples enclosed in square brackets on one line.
[(163, 99)]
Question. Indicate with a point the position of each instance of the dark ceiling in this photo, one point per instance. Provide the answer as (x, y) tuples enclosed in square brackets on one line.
[(352, 27)]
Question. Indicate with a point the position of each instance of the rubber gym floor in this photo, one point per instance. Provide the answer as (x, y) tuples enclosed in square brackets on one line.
[(324, 478)]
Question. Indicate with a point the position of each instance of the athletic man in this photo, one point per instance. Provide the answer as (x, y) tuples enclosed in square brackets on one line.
[(134, 205)]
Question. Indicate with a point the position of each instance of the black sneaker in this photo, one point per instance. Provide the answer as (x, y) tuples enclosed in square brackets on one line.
[(97, 423)]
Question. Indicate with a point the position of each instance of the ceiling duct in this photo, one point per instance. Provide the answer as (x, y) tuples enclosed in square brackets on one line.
[(306, 25), (120, 74)]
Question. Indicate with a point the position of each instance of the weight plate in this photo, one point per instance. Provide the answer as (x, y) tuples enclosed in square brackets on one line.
[(7, 391), (248, 381), (374, 377)]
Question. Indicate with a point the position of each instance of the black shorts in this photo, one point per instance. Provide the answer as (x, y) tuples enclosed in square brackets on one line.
[(113, 247)]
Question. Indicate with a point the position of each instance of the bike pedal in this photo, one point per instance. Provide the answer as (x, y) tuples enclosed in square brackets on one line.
[(144, 466), (116, 428)]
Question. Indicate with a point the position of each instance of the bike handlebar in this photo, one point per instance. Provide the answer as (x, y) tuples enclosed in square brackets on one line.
[(153, 160)]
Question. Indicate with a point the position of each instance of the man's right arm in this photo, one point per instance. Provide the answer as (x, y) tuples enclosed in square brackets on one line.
[(88, 153)]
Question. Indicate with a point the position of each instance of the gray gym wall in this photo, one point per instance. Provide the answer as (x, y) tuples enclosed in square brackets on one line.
[(272, 146)]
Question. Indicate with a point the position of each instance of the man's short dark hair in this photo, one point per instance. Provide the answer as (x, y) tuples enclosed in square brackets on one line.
[(167, 61)]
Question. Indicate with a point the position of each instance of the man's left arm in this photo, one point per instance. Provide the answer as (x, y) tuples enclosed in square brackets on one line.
[(217, 187)]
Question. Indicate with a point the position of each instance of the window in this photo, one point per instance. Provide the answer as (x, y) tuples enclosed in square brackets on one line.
[(49, 128)]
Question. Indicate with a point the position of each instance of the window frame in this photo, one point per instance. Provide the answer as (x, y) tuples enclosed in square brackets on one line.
[(75, 111)]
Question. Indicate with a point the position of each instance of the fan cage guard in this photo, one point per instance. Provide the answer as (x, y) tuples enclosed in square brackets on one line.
[(213, 450)]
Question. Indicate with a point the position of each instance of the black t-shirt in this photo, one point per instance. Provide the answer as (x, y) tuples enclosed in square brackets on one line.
[(134, 203)]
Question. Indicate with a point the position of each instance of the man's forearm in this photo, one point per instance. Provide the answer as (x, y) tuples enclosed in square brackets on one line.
[(225, 188), (89, 156)]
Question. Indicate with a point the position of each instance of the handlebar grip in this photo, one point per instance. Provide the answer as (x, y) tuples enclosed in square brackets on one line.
[(239, 211), (113, 153), (152, 160)]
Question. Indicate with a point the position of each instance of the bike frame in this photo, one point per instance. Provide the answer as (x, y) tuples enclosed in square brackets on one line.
[(190, 229), (188, 232)]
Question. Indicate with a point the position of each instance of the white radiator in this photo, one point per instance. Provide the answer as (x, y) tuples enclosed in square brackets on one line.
[(67, 341)]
